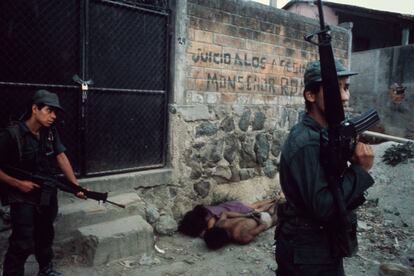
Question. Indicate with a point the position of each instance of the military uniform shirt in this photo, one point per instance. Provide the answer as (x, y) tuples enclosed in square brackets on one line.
[(304, 240), (37, 156), (302, 177)]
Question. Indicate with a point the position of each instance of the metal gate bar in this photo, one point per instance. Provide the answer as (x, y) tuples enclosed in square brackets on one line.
[(51, 59)]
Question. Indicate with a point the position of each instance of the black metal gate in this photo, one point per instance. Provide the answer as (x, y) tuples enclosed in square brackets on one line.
[(107, 61)]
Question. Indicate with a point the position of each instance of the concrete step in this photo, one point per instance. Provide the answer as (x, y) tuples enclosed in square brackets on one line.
[(108, 241), (80, 213), (121, 183)]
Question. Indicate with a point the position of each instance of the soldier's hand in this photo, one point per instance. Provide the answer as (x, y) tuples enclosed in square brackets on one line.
[(27, 186), (363, 156), (81, 195)]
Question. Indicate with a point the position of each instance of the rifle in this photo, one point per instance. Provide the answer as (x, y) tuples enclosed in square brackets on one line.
[(49, 184), (338, 144)]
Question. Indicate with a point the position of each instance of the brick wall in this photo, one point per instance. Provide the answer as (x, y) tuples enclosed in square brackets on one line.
[(247, 53)]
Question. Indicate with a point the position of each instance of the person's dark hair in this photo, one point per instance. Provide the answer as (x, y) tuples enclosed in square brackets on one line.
[(313, 88), (194, 222), (216, 238), (28, 112)]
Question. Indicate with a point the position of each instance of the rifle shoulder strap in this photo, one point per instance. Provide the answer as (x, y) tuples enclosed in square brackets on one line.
[(15, 134)]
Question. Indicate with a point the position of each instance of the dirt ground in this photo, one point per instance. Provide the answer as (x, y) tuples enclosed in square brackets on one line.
[(386, 235)]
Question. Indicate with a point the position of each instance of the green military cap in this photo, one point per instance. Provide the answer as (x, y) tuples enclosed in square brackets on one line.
[(47, 98), (313, 71)]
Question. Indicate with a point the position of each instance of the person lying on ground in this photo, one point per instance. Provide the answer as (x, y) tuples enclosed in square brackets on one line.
[(203, 217), (239, 228)]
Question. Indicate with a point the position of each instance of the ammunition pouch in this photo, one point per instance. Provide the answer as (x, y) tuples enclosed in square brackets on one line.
[(344, 238), (284, 213)]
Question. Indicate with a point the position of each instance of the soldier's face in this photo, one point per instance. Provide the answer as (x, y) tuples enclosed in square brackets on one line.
[(45, 116), (343, 89)]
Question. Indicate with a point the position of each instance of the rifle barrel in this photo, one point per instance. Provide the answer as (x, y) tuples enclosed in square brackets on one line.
[(116, 204), (321, 17)]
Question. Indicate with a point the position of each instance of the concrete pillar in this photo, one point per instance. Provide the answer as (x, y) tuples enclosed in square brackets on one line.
[(179, 46), (348, 26), (405, 36)]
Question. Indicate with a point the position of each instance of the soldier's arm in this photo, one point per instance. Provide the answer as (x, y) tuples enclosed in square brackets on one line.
[(307, 171), (23, 185), (66, 167)]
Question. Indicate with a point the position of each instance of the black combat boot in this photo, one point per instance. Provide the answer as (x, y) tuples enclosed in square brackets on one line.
[(48, 271)]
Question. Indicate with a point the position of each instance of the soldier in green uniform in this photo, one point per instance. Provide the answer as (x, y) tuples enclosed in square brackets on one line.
[(32, 145), (304, 243)]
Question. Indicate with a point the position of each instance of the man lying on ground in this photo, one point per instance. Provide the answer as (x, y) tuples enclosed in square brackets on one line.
[(203, 217), (239, 228)]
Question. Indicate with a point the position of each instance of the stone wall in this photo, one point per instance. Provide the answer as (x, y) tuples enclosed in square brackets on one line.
[(238, 85)]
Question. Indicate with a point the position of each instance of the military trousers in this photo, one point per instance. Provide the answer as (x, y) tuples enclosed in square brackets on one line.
[(32, 233), (305, 251)]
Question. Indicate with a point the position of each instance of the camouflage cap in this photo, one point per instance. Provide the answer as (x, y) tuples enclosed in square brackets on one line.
[(47, 98), (313, 71)]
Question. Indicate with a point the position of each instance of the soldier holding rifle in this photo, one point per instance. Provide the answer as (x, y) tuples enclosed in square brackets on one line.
[(323, 172), (32, 145), (304, 243)]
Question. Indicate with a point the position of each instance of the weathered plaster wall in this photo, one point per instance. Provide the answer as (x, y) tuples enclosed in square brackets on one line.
[(311, 10), (379, 69), (241, 68)]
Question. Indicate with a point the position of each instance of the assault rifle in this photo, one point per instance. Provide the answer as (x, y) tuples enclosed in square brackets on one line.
[(49, 184), (338, 144)]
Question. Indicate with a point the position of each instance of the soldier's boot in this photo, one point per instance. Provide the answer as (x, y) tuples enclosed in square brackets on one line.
[(48, 271)]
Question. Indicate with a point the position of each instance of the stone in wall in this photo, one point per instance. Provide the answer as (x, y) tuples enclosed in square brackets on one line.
[(261, 148), (247, 173), (199, 145), (202, 188), (278, 138), (245, 121), (235, 173), (222, 173), (247, 154), (232, 147), (206, 129), (214, 151), (258, 121), (196, 171), (270, 169), (227, 124)]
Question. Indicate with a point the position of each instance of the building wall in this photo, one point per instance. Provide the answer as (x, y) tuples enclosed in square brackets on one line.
[(311, 10), (371, 29), (237, 89), (379, 69)]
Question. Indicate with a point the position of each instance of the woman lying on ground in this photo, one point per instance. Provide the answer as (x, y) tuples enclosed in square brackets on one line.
[(203, 217), (239, 228)]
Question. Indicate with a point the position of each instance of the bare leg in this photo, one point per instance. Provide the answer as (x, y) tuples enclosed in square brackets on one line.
[(263, 205)]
